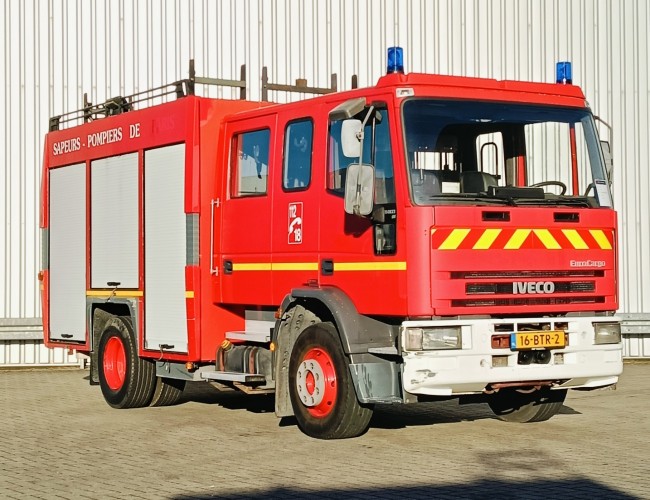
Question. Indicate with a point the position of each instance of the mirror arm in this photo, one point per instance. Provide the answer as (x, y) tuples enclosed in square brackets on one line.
[(357, 201), (361, 134), (608, 167)]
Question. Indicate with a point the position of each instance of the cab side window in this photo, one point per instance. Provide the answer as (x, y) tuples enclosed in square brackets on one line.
[(338, 162), (249, 163), (296, 173), (376, 150)]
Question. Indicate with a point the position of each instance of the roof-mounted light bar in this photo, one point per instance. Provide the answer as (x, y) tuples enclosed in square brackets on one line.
[(563, 73), (395, 60)]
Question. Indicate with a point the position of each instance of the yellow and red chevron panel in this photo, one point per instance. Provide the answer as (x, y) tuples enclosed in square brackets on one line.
[(458, 238)]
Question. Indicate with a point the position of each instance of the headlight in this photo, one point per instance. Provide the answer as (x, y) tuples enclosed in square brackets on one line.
[(607, 333), (429, 339)]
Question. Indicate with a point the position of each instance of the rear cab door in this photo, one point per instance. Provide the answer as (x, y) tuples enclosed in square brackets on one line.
[(247, 212)]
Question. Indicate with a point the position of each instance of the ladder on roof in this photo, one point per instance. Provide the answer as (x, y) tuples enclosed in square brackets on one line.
[(178, 89)]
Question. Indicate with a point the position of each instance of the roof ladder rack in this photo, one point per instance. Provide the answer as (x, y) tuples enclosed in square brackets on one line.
[(122, 104), (300, 86)]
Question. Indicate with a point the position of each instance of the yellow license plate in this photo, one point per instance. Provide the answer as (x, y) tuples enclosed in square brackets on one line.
[(552, 339)]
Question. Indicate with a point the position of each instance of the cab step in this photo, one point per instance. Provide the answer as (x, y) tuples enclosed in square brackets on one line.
[(243, 378)]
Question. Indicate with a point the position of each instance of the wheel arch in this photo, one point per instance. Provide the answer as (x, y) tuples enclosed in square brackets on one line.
[(357, 334), (99, 315)]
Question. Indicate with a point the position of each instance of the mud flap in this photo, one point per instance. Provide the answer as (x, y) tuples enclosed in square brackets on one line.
[(377, 382), (94, 369), (100, 318)]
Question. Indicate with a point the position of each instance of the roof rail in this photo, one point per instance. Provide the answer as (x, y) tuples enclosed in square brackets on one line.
[(300, 86), (121, 104), (181, 88)]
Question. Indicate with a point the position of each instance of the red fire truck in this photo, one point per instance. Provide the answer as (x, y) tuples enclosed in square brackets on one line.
[(430, 237)]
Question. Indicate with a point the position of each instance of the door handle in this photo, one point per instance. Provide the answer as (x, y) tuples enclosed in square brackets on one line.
[(327, 267)]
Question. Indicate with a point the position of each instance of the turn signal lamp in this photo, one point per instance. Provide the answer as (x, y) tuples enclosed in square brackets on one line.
[(395, 60), (563, 72)]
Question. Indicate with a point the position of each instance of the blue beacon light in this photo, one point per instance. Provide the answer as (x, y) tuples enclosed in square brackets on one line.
[(395, 60), (563, 72)]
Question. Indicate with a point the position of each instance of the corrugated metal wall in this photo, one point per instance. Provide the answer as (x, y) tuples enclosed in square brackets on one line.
[(54, 51)]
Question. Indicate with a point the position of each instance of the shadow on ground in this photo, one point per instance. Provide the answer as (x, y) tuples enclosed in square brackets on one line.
[(385, 416), (571, 488)]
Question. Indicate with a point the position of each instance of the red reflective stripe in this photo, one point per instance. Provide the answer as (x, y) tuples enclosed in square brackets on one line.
[(470, 240), (439, 236), (503, 238)]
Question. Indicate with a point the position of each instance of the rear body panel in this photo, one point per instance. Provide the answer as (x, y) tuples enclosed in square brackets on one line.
[(140, 185)]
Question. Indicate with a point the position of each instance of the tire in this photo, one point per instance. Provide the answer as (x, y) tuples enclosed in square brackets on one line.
[(321, 389), (168, 392), (536, 406), (126, 380)]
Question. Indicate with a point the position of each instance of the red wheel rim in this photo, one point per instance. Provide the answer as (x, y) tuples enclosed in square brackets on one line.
[(114, 363), (317, 382)]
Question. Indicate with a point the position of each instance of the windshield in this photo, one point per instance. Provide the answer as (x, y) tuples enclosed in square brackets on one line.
[(461, 152)]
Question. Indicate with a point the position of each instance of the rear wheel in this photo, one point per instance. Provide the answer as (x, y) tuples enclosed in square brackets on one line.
[(168, 392), (321, 389), (126, 380), (536, 406)]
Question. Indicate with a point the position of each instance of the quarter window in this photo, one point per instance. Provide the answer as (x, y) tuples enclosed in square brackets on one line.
[(249, 163), (297, 155)]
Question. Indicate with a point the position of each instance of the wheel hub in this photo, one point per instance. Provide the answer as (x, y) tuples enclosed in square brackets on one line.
[(310, 382), (114, 363), (316, 382)]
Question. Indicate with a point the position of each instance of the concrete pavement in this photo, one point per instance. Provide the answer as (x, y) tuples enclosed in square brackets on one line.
[(59, 439)]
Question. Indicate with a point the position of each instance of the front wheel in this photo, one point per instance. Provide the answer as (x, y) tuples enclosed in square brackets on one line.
[(321, 389), (126, 380), (538, 405)]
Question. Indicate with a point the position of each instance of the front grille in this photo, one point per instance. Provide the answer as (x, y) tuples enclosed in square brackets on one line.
[(524, 275), (507, 288), (528, 288), (532, 301)]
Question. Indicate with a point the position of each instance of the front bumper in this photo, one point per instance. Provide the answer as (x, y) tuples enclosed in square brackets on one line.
[(473, 368)]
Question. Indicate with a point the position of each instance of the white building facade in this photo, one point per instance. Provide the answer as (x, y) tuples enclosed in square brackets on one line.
[(54, 51)]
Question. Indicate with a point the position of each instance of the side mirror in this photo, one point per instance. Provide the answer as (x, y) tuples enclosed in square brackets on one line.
[(609, 160), (359, 189), (351, 138)]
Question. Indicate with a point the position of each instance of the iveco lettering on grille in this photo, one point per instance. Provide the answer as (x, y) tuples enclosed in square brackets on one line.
[(533, 287)]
